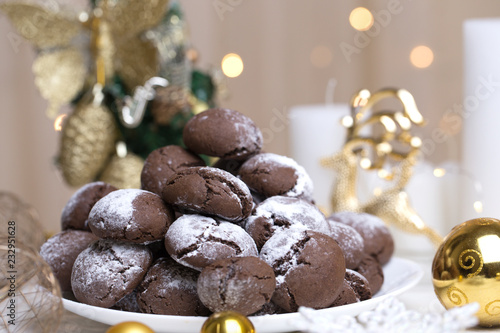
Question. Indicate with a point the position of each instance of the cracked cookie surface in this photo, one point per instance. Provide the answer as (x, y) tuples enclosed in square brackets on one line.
[(131, 215), (170, 289), (76, 211), (378, 241), (279, 213), (242, 284), (162, 163), (196, 241), (269, 174), (61, 250), (209, 191), (223, 133), (107, 271), (309, 268)]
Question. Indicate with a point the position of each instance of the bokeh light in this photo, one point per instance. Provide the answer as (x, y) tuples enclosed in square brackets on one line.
[(439, 172), (321, 56), (361, 19), (478, 206), (58, 122), (232, 65), (421, 56)]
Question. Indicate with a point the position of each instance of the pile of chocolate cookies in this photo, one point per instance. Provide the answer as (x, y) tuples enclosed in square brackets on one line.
[(242, 234)]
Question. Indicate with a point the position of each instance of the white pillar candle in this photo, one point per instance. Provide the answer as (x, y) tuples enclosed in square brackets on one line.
[(316, 132), (481, 134)]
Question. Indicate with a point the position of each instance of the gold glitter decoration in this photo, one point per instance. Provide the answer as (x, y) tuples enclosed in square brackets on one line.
[(457, 296), (87, 140), (131, 17), (29, 230), (38, 302), (137, 61), (59, 76), (43, 28), (470, 258), (227, 322), (466, 267), (493, 308), (169, 101), (115, 29), (123, 172), (393, 147)]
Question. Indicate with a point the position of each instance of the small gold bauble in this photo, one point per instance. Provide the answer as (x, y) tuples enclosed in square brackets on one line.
[(466, 268), (130, 327), (227, 322), (123, 172)]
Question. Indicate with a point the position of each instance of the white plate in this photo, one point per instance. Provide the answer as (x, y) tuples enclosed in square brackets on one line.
[(400, 275)]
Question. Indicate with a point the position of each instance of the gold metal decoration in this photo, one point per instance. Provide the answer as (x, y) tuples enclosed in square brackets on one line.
[(59, 76), (87, 141), (27, 227), (390, 149), (466, 268), (116, 44), (30, 297), (227, 322), (40, 26), (130, 327), (123, 172)]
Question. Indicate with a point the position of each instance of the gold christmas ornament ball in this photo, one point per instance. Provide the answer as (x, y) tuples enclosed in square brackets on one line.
[(123, 172), (130, 327), (466, 268), (227, 322)]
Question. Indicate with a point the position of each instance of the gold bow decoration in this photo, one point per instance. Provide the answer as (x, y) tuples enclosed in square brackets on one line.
[(390, 149), (116, 45)]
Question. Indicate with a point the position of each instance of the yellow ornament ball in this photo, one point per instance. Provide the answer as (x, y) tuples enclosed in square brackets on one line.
[(130, 327), (466, 268), (227, 322)]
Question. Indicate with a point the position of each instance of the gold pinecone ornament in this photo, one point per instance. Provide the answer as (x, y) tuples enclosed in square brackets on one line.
[(123, 172), (87, 140)]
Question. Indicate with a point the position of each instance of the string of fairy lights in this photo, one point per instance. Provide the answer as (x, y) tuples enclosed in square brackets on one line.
[(321, 56)]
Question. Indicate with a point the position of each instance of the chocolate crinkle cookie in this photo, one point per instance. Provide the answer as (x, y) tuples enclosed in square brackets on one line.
[(377, 238), (61, 250), (128, 303), (279, 213), (347, 296), (131, 215), (170, 289), (309, 268), (242, 284), (371, 269), (107, 271), (222, 133), (197, 241), (163, 163), (77, 209), (359, 284), (270, 174), (209, 191), (231, 166), (349, 240)]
